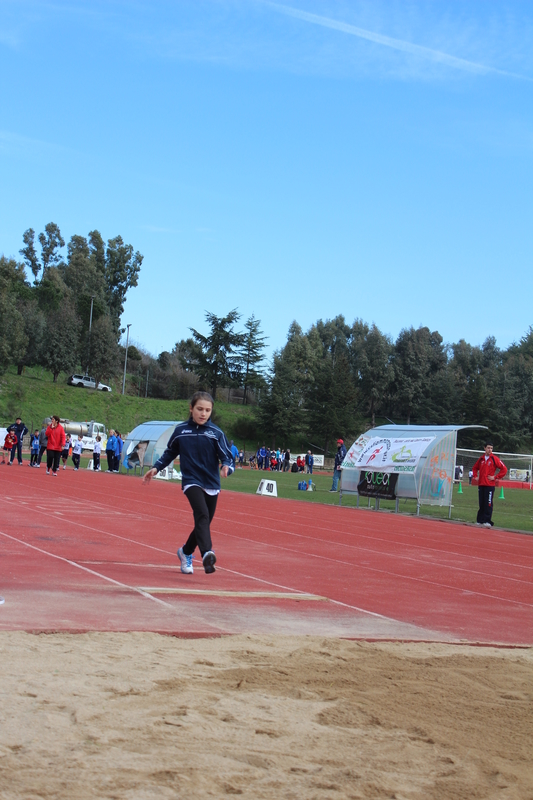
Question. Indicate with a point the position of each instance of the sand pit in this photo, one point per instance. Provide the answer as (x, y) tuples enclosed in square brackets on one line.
[(137, 716)]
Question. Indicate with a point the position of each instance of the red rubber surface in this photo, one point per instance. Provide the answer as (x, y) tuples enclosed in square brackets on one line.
[(85, 551)]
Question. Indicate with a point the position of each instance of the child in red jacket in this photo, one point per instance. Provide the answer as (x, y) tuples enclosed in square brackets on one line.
[(9, 442)]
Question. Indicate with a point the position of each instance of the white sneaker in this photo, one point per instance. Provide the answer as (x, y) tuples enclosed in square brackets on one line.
[(186, 562), (64, 466), (487, 525)]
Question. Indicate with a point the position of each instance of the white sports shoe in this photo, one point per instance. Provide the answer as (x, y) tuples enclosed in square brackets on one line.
[(186, 562)]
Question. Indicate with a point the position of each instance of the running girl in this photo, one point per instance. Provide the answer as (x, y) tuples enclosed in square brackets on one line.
[(201, 446)]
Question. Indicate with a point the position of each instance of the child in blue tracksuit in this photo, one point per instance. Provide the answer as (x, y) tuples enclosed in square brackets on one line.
[(202, 447), (34, 449)]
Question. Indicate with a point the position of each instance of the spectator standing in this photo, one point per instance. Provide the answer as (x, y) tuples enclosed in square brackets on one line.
[(77, 449), (96, 453), (20, 431), (470, 476), (34, 449), (309, 461), (9, 442), (43, 441), (66, 449), (485, 467), (261, 457), (339, 458), (55, 433), (110, 450), (241, 458), (234, 451), (287, 460), (118, 450)]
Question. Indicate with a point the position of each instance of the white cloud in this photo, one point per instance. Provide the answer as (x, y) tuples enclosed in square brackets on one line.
[(420, 51)]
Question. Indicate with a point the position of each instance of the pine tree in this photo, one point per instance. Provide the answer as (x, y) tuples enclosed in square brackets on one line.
[(251, 354), (217, 352)]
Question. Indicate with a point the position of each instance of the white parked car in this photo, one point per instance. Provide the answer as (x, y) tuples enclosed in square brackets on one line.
[(87, 382)]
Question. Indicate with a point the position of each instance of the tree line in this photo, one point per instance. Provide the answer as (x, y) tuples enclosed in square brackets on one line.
[(71, 313), (339, 379), (336, 379)]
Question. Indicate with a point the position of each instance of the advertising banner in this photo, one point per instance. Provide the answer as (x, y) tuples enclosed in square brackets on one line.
[(390, 455), (355, 451), (377, 484)]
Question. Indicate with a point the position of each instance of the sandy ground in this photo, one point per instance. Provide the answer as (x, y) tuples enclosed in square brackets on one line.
[(138, 716)]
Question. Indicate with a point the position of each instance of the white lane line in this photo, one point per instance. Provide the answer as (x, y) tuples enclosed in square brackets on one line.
[(90, 571)]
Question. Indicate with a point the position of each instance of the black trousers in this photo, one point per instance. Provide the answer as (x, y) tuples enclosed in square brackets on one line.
[(42, 451), (96, 460), (52, 459), (486, 504), (76, 460), (110, 460), (203, 508), (16, 450)]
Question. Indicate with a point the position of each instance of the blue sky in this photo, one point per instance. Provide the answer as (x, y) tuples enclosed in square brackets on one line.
[(295, 160)]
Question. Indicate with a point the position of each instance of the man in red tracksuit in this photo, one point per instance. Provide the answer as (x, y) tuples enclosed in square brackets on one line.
[(485, 467)]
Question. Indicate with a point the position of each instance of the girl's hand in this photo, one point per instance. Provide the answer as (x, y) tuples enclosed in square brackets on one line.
[(224, 471), (149, 475)]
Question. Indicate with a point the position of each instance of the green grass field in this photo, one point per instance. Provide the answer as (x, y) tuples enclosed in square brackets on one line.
[(515, 512), (34, 396)]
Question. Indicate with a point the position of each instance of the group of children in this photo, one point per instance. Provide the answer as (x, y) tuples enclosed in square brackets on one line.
[(71, 446)]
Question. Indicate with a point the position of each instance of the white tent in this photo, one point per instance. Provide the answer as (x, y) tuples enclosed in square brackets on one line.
[(146, 443)]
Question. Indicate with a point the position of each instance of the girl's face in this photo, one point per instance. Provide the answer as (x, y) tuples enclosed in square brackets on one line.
[(201, 411)]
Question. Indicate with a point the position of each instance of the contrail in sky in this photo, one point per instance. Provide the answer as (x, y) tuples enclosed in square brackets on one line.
[(387, 41)]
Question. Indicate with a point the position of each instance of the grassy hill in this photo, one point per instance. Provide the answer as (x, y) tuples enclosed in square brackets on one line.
[(35, 396)]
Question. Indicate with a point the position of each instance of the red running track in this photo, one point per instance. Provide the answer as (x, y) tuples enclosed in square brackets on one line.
[(98, 552)]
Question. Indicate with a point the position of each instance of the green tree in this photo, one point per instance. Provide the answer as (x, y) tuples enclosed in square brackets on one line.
[(13, 337), (34, 328), (104, 350), (332, 395), (61, 341), (29, 253), (251, 355), (282, 410), (375, 370), (218, 362), (418, 357), (122, 269), (51, 240), (97, 251)]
